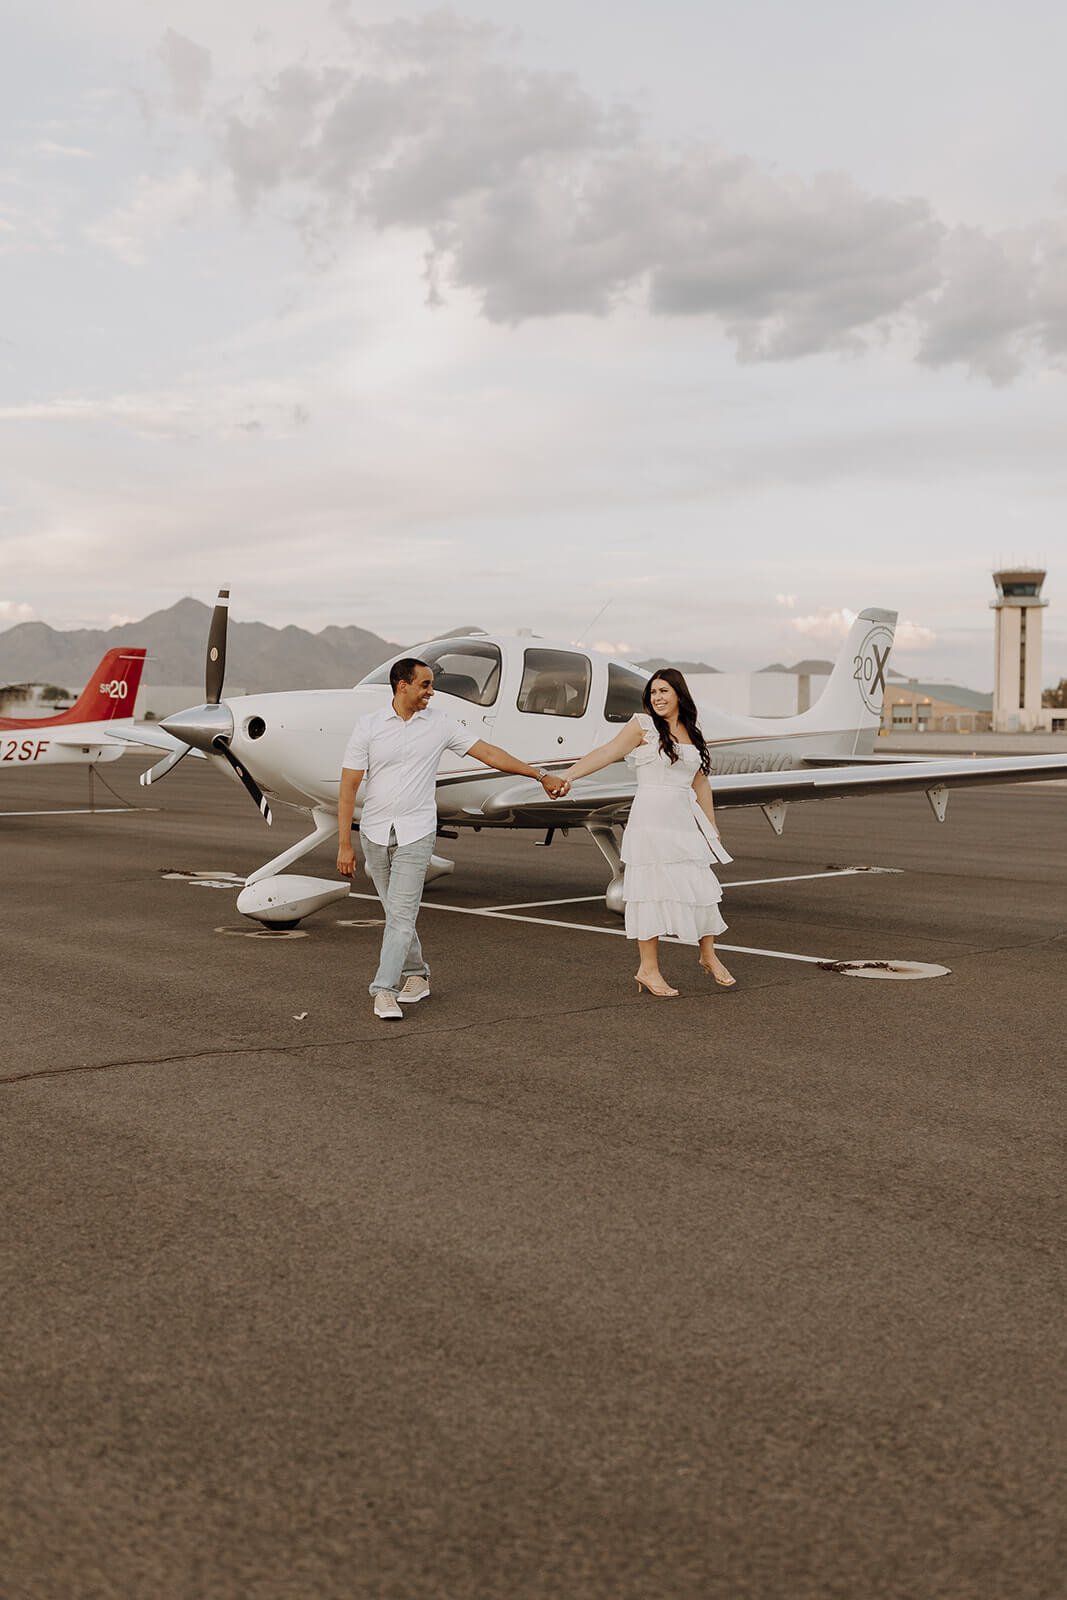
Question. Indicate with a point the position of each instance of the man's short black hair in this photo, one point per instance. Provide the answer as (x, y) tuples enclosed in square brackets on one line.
[(404, 670)]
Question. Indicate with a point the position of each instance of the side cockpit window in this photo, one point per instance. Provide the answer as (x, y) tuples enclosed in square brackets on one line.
[(555, 683)]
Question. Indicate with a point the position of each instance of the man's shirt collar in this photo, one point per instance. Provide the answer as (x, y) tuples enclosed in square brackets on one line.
[(391, 711)]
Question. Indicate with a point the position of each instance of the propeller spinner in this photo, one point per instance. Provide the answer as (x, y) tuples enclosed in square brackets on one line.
[(209, 727)]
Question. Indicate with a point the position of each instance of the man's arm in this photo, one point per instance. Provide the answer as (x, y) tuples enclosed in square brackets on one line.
[(491, 755), (346, 805)]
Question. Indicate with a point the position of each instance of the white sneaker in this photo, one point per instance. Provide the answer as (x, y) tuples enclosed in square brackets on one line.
[(385, 1006), (415, 988)]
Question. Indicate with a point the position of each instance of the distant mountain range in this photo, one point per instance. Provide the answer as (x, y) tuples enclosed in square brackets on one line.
[(680, 666), (815, 669), (809, 667), (258, 658), (800, 667)]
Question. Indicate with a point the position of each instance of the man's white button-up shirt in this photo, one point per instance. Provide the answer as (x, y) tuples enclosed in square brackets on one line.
[(400, 760)]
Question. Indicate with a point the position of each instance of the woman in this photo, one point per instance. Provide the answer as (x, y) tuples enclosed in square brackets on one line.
[(668, 886)]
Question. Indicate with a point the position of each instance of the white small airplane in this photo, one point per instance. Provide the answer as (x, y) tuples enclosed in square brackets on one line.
[(550, 703), (86, 734)]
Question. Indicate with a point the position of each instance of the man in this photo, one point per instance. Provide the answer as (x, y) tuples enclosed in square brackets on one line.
[(398, 750)]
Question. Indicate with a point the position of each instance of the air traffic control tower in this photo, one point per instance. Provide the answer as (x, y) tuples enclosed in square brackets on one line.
[(1017, 665)]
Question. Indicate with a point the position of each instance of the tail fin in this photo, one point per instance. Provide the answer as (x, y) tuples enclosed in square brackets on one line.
[(111, 689), (850, 706)]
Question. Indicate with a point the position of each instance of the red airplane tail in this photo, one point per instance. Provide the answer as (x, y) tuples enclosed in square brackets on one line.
[(111, 689)]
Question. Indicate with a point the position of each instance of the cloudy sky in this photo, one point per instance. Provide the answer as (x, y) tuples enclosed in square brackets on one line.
[(686, 330)]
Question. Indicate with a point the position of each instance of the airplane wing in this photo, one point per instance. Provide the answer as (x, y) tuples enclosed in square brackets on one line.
[(139, 735), (101, 735), (810, 759), (607, 796)]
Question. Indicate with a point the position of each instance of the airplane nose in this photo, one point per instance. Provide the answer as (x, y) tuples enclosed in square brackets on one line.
[(200, 726)]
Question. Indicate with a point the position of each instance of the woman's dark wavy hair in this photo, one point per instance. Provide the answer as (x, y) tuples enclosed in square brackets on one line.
[(687, 716)]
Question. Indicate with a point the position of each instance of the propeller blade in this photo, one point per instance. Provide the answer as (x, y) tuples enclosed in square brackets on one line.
[(161, 768), (247, 779), (216, 649)]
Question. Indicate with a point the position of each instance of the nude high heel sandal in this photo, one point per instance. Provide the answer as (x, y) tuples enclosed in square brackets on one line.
[(724, 983), (662, 994)]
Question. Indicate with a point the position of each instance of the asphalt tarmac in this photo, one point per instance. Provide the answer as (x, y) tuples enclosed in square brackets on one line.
[(551, 1291)]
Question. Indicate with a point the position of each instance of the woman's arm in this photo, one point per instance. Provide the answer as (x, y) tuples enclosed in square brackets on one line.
[(616, 749), (702, 790)]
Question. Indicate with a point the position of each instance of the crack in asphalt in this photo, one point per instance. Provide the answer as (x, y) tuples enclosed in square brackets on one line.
[(300, 1047), (789, 981)]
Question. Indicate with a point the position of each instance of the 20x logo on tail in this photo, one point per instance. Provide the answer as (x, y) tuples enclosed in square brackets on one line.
[(869, 664)]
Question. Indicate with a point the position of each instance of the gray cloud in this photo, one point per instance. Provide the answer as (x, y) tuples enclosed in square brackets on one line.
[(188, 68), (792, 268), (1004, 297), (542, 201), (440, 36)]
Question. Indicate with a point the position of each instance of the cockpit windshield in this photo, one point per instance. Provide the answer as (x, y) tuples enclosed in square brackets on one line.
[(626, 688), (466, 668)]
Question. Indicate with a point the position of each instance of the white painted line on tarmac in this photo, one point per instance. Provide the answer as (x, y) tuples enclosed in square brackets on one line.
[(777, 955), (727, 883), (852, 968), (617, 933), (88, 811), (506, 916), (804, 877), (531, 905)]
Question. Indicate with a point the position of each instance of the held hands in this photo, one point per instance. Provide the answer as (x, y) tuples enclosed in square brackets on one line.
[(555, 786)]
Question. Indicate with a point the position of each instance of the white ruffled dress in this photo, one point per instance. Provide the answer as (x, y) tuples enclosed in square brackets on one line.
[(668, 846)]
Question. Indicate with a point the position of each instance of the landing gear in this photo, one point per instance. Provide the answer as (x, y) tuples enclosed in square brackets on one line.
[(605, 836), (325, 827), (278, 901)]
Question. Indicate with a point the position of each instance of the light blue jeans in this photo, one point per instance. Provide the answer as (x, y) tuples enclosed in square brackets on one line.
[(398, 872)]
